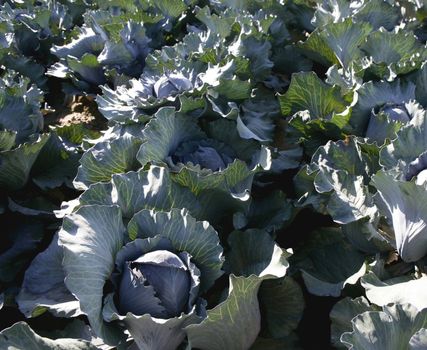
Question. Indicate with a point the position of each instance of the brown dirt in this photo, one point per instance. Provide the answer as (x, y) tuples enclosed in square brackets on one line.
[(80, 110)]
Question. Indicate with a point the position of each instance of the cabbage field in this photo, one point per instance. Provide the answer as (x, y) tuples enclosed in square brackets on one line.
[(213, 174)]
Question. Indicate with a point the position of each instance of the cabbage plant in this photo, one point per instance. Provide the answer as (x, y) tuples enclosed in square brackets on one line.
[(21, 100), (21, 123), (193, 87), (150, 276), (30, 29), (157, 277), (383, 107), (97, 50), (138, 98), (215, 158)]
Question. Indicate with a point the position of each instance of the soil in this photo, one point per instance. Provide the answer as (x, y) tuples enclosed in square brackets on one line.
[(79, 110)]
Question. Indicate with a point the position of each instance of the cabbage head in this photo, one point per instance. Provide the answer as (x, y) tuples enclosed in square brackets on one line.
[(159, 282)]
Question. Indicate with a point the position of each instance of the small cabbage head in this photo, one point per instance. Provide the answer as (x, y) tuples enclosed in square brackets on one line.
[(208, 154), (396, 112), (172, 84), (417, 167), (381, 120), (158, 283)]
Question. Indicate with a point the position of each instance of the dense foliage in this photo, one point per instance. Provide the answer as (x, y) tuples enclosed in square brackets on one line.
[(258, 179)]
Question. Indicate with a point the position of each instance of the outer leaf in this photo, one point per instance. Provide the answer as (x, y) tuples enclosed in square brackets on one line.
[(235, 323), (399, 50), (288, 59), (254, 252), (15, 165), (391, 328), (269, 213), (343, 155), (87, 67), (341, 315), (165, 133), (421, 85), (7, 140), (76, 329), (134, 191), (286, 159), (419, 340), (107, 158), (306, 192), (171, 8), (318, 50), (87, 41), (225, 131), (344, 169), (379, 14), (33, 205), (376, 12), (75, 133), (21, 102), (98, 193), (21, 336), (150, 332), (117, 105), (365, 236), (235, 173), (152, 189), (376, 94), (256, 121), (313, 132), (24, 234), (338, 42), (308, 92), (350, 200), (381, 127), (282, 306), (91, 237), (233, 89), (258, 54), (220, 25), (328, 263), (409, 145), (43, 287), (396, 290), (57, 163), (27, 67), (406, 206)]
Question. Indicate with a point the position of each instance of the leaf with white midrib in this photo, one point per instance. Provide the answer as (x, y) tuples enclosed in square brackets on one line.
[(308, 92), (91, 237), (21, 337)]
